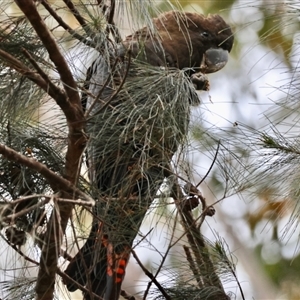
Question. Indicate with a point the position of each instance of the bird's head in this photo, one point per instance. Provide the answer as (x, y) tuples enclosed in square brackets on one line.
[(185, 40), (193, 40)]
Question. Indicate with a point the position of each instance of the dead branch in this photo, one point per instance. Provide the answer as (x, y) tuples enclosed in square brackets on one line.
[(23, 212), (42, 203)]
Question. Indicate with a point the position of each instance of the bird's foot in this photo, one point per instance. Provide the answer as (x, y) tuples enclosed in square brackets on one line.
[(200, 81)]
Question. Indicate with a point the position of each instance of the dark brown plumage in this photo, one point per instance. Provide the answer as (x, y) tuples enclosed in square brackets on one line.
[(180, 39), (128, 173)]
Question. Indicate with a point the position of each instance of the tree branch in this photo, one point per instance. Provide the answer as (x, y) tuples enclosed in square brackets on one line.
[(31, 13), (65, 26), (17, 65), (72, 108), (54, 91), (55, 181), (39, 78), (77, 15)]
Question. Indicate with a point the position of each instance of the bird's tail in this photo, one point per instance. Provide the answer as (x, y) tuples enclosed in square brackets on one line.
[(98, 266), (81, 268)]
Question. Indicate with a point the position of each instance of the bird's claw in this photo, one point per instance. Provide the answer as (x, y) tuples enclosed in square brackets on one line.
[(200, 81)]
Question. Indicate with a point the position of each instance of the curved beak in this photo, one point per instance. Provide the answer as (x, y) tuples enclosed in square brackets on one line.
[(213, 60)]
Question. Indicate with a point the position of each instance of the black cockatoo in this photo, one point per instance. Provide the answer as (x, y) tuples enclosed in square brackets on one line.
[(138, 118)]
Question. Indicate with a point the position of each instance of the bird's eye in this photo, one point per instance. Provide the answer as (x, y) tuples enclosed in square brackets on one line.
[(205, 34)]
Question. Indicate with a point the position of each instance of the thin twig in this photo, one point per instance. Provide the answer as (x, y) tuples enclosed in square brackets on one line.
[(17, 65), (143, 237), (164, 257), (21, 199), (188, 225), (24, 198), (102, 88), (212, 164), (79, 286), (118, 90), (50, 85), (85, 269), (18, 250), (150, 275), (25, 211), (229, 264), (111, 12), (65, 26), (76, 202), (65, 255), (111, 28), (41, 203), (78, 16), (126, 295), (59, 272)]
